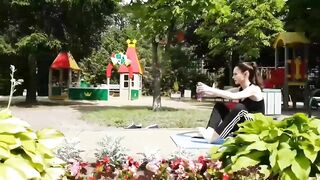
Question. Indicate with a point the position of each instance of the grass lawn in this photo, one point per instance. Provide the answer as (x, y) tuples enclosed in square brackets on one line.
[(167, 118)]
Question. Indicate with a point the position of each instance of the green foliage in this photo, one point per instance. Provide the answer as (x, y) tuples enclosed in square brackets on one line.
[(5, 48), (35, 41), (33, 29), (25, 154), (94, 67), (241, 26), (288, 149)]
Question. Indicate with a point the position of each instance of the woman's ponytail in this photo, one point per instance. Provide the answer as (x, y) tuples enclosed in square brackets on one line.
[(257, 79)]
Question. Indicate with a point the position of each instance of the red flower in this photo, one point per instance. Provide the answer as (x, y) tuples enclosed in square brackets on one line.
[(83, 164), (225, 176), (201, 159), (106, 160), (91, 178), (136, 164), (175, 163), (99, 166), (130, 161)]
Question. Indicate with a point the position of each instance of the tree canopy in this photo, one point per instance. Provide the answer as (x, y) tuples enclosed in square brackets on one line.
[(242, 26)]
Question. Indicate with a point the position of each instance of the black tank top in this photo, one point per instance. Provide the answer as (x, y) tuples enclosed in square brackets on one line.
[(251, 105)]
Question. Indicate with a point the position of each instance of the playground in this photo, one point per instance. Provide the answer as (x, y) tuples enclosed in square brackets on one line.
[(170, 89)]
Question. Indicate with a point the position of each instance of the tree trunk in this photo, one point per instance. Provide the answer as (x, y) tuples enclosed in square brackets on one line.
[(32, 81), (156, 73), (230, 62)]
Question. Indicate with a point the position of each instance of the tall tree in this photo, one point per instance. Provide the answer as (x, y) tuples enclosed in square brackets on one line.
[(159, 20), (242, 27), (304, 16), (35, 27)]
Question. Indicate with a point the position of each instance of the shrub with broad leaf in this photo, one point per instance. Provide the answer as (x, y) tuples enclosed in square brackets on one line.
[(25, 154), (265, 148)]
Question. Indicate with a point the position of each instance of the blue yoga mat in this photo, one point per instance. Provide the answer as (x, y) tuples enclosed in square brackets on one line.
[(187, 141)]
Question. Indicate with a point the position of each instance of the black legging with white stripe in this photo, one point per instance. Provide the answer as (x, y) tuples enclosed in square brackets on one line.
[(224, 121)]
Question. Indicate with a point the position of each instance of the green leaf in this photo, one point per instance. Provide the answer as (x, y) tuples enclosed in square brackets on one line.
[(8, 172), (23, 166), (275, 133), (37, 160), (251, 159), (301, 167), (293, 128), (4, 153), (193, 2), (15, 121), (5, 114), (272, 146), (273, 158), (310, 153), (27, 135), (50, 138), (287, 174), (285, 157), (315, 123), (247, 138), (258, 145), (43, 150), (53, 173), (7, 138), (16, 145), (29, 145), (11, 128), (264, 169), (264, 134)]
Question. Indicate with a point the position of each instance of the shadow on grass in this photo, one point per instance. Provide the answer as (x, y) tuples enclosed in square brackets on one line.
[(92, 108)]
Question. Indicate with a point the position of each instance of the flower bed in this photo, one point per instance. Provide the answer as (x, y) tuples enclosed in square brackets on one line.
[(176, 168), (262, 149)]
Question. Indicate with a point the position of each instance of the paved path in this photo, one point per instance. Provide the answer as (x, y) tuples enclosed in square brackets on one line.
[(65, 117)]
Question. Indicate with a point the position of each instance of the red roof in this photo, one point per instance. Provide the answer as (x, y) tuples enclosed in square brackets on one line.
[(64, 60), (135, 64)]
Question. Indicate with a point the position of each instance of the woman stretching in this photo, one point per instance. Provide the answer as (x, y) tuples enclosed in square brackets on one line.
[(223, 121)]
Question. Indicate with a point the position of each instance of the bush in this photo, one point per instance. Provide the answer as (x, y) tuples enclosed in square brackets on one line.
[(25, 154), (287, 149)]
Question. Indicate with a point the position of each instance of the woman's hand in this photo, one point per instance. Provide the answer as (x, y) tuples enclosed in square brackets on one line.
[(205, 90)]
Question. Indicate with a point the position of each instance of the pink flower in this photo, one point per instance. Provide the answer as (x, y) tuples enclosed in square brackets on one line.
[(75, 168)]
